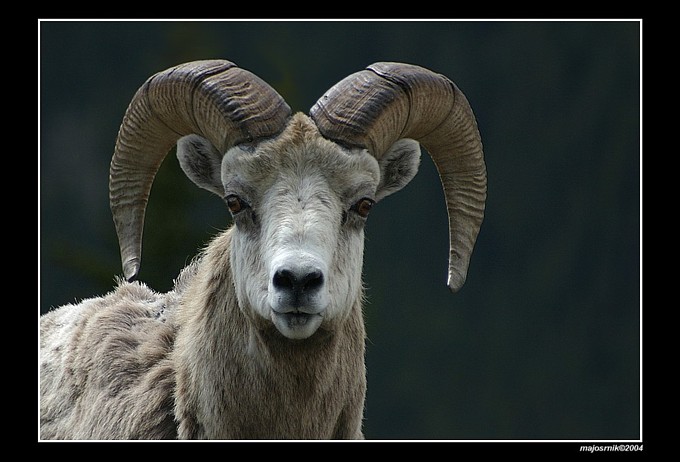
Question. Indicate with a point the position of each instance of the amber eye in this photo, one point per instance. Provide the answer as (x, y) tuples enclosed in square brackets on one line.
[(235, 203), (363, 207)]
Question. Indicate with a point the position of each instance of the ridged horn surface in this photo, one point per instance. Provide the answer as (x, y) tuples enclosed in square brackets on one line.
[(385, 102), (215, 99)]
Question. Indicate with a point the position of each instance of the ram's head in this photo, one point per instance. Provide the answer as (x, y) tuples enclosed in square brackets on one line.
[(299, 187)]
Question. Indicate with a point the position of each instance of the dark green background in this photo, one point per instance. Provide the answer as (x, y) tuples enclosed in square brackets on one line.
[(543, 341)]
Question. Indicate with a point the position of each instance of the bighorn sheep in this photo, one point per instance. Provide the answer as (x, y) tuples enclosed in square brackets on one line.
[(263, 333)]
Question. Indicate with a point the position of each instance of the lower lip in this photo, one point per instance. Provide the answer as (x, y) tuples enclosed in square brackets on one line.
[(296, 319)]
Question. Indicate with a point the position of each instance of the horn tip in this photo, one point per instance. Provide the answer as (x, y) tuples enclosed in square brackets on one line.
[(131, 269), (455, 281)]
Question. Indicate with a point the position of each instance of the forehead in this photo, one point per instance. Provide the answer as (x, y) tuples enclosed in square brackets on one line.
[(300, 152)]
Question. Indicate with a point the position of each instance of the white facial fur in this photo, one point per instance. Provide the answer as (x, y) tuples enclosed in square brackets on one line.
[(297, 245)]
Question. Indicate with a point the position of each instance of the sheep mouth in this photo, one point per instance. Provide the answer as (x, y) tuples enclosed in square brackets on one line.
[(296, 318), (296, 324)]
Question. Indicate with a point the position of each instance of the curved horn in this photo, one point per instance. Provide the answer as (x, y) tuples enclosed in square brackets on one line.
[(375, 107), (214, 99)]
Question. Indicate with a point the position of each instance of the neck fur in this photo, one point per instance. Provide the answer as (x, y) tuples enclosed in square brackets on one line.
[(240, 378)]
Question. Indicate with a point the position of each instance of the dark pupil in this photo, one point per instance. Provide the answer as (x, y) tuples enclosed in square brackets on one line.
[(364, 207), (234, 204)]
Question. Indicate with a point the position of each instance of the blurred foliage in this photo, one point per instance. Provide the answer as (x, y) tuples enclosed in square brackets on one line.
[(544, 339)]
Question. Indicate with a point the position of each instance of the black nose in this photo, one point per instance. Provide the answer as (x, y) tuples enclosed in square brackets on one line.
[(298, 282)]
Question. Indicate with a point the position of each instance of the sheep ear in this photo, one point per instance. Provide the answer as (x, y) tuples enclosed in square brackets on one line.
[(201, 162), (398, 166)]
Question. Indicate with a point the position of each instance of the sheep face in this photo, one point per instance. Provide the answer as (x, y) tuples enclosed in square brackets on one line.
[(299, 205)]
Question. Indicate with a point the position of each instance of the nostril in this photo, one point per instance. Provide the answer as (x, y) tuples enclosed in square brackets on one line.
[(312, 281), (284, 279)]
